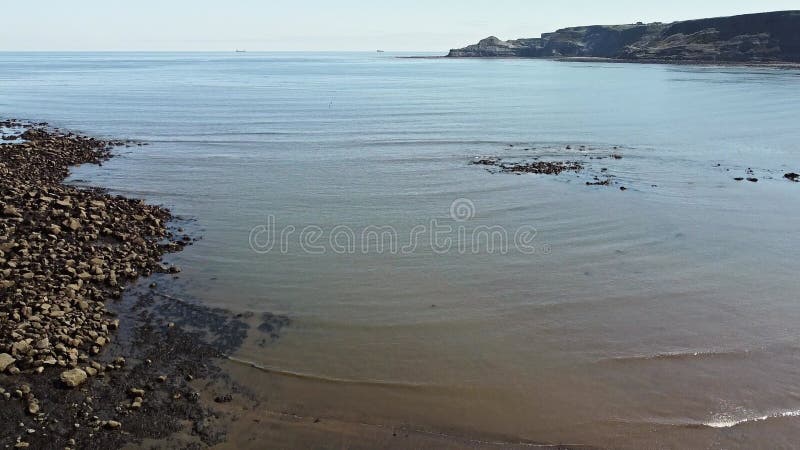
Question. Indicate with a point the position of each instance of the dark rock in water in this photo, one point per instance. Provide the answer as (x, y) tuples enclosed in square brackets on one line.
[(598, 182), (537, 167), (762, 37), (542, 167), (791, 176), (490, 161), (739, 178), (753, 180)]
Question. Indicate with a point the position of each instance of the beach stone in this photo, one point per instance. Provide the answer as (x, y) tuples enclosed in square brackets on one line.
[(20, 348), (74, 224), (11, 211), (73, 378), (6, 361), (113, 424), (136, 392)]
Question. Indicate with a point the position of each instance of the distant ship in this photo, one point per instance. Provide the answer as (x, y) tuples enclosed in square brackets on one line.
[(380, 51), (240, 51)]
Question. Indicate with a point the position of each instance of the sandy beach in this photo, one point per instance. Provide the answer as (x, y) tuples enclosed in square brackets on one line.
[(152, 238)]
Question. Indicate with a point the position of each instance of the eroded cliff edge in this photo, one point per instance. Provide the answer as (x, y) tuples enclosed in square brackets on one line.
[(763, 37)]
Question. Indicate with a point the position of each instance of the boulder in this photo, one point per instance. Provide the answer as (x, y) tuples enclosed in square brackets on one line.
[(6, 361), (73, 378)]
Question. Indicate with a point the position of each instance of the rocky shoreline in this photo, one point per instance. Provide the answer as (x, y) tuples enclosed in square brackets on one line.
[(78, 367), (65, 251), (761, 38)]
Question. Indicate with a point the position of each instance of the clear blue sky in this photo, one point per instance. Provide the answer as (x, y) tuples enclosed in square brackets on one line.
[(406, 25)]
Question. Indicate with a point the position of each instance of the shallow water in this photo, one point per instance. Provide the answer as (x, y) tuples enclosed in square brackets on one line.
[(664, 314)]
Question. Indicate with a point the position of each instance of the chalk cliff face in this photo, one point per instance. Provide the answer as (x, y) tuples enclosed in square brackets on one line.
[(764, 37)]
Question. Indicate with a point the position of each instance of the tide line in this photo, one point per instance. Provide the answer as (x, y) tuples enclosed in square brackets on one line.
[(327, 379)]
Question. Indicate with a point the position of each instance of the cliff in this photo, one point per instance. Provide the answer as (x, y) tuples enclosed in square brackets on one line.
[(763, 37)]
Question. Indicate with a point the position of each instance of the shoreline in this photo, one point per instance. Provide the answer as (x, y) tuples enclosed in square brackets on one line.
[(93, 353), (583, 59), (164, 377)]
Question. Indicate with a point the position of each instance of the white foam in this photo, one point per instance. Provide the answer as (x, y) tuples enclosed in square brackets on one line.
[(725, 422)]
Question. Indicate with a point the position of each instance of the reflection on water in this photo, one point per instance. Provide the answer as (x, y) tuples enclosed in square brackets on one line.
[(657, 314)]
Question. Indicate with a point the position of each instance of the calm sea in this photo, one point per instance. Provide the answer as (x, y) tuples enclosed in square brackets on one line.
[(663, 315)]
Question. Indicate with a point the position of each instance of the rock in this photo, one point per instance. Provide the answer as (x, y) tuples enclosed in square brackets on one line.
[(136, 392), (761, 37), (74, 224), (83, 276), (791, 176), (113, 424), (20, 348), (753, 180), (542, 167), (73, 378), (11, 212), (6, 361), (227, 398)]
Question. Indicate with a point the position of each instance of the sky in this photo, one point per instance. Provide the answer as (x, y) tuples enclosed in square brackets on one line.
[(316, 25)]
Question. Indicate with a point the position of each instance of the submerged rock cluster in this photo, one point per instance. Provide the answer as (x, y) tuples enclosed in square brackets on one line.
[(536, 167), (64, 252)]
